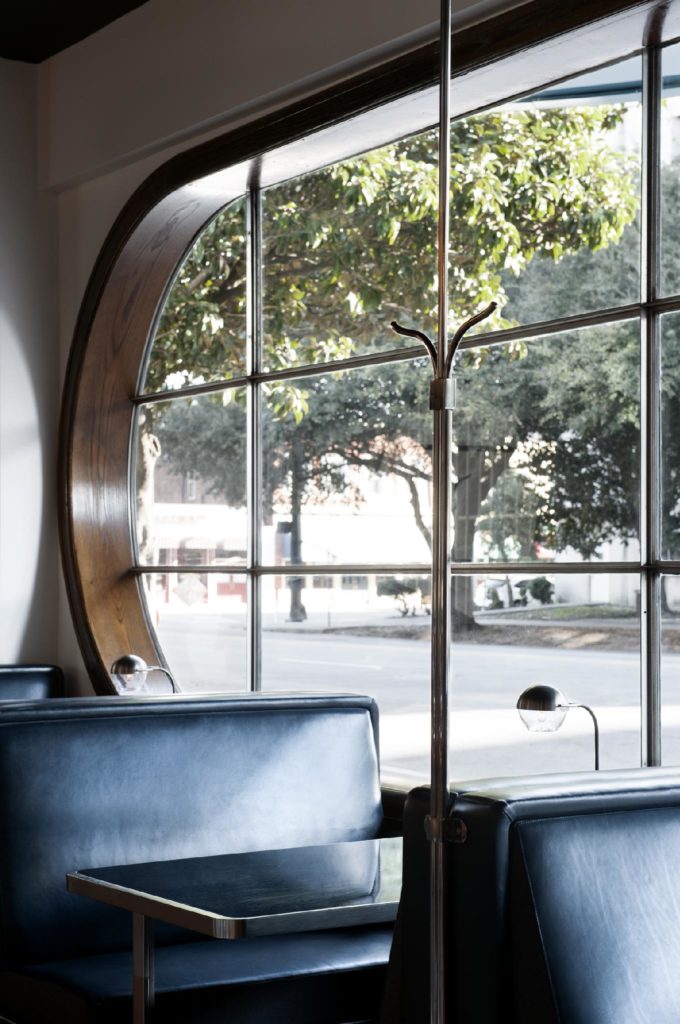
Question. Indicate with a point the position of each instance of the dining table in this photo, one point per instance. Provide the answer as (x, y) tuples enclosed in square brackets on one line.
[(238, 895)]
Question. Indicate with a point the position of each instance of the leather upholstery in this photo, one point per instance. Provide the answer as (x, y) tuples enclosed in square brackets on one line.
[(30, 682), (320, 976), (506, 880), (599, 917), (89, 782), (481, 891)]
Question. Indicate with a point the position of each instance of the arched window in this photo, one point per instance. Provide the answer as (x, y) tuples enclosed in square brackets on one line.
[(248, 459)]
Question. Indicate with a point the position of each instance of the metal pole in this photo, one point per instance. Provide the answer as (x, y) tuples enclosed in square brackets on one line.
[(143, 974), (442, 396), (652, 94), (441, 553), (254, 420), (597, 732)]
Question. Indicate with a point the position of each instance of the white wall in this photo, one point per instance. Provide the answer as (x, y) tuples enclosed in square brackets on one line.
[(172, 68), (29, 559), (120, 103)]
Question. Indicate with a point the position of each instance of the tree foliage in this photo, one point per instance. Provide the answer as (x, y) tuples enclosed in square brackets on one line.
[(348, 248), (351, 247)]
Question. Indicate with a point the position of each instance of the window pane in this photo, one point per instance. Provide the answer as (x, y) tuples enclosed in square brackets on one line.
[(670, 436), (577, 633), (201, 333), (544, 220), (371, 638), (670, 171), (200, 623), (545, 213), (546, 448), (191, 481), (347, 249), (347, 467)]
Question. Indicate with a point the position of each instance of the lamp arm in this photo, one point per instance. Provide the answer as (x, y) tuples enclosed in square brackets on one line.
[(168, 673), (597, 732)]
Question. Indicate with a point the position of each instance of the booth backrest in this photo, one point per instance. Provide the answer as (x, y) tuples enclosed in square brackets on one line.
[(30, 682), (564, 883), (595, 918), (86, 783), (482, 927)]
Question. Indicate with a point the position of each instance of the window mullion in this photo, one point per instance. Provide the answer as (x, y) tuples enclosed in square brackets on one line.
[(650, 476), (254, 428)]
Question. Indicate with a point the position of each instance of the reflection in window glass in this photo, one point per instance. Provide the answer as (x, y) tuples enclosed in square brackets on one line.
[(670, 171), (347, 468), (200, 623), (670, 436), (372, 639), (546, 448), (191, 481), (201, 333)]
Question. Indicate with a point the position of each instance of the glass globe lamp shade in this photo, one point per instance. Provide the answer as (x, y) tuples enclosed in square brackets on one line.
[(129, 673), (542, 708)]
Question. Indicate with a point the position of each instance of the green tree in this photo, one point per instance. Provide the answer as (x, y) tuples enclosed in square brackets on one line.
[(351, 247)]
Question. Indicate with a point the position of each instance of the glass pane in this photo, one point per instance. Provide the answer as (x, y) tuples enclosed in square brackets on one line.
[(670, 669), (670, 436), (546, 200), (365, 634), (201, 333), (577, 633), (670, 171), (347, 249), (544, 219), (191, 481), (347, 468), (546, 448), (200, 623)]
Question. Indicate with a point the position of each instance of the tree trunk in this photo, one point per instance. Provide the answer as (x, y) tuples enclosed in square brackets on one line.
[(298, 612), (477, 471), (466, 507), (665, 607)]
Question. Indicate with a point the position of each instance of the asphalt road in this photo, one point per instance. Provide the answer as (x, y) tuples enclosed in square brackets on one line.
[(208, 652)]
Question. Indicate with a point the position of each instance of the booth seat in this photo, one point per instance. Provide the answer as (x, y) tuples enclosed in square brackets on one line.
[(30, 682), (100, 781), (562, 906)]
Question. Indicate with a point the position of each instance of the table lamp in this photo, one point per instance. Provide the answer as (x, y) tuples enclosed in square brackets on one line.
[(129, 673), (543, 709)]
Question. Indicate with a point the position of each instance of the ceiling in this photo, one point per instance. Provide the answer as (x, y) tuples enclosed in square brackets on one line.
[(33, 30)]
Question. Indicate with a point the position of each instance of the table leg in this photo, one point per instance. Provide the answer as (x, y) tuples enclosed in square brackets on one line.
[(142, 968)]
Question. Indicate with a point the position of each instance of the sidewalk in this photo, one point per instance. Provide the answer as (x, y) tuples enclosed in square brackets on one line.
[(509, 626)]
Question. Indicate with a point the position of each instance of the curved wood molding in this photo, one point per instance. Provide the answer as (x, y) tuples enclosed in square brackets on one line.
[(152, 234)]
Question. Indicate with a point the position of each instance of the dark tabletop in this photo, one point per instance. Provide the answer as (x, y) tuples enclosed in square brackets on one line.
[(265, 892)]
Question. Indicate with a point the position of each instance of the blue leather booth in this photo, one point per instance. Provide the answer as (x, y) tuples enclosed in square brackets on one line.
[(563, 903), (30, 682), (85, 783)]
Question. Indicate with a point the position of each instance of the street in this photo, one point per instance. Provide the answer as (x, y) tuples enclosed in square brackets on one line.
[(208, 652)]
